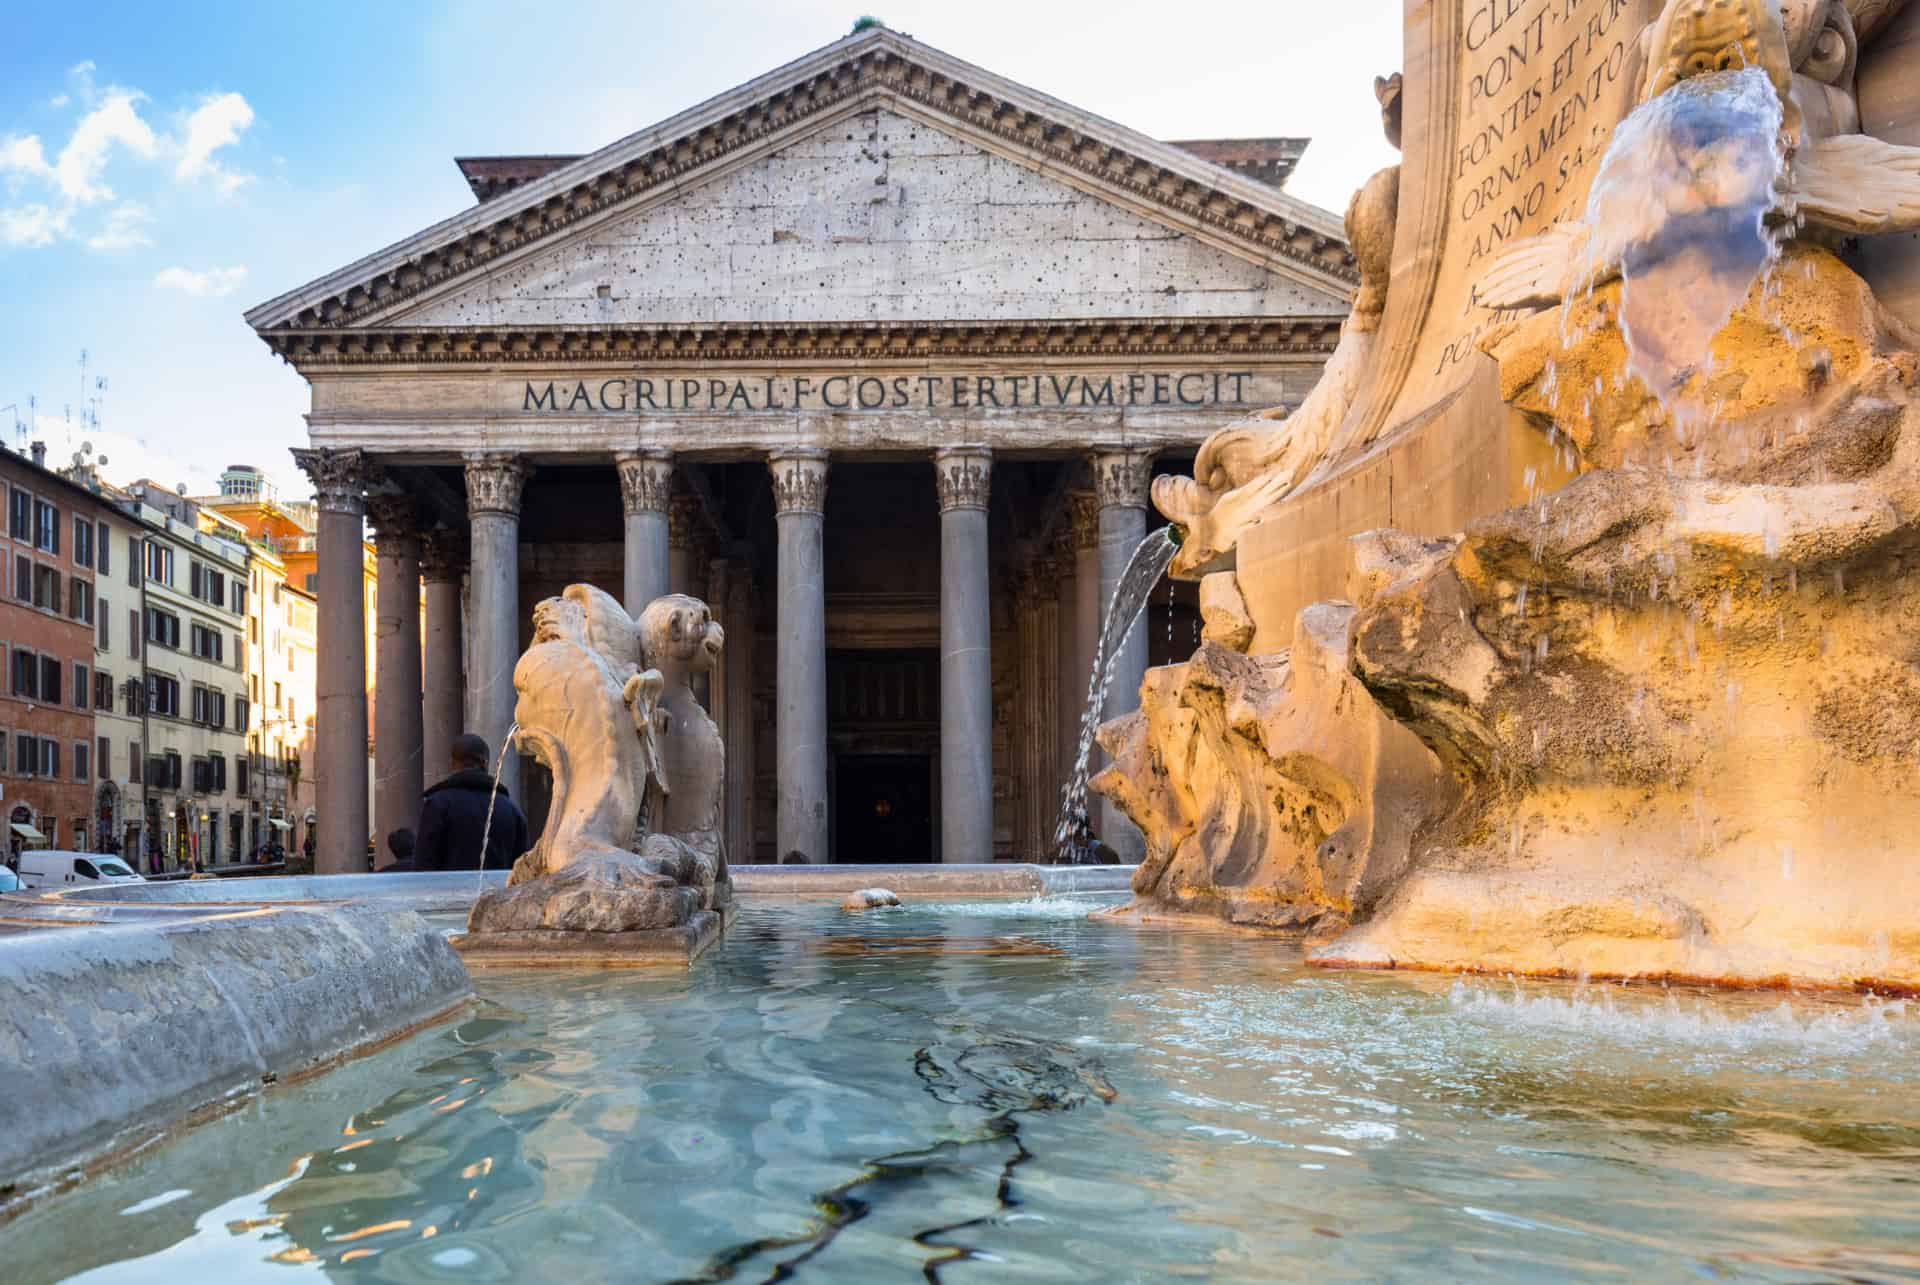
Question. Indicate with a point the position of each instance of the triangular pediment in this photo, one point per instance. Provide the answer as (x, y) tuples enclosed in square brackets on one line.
[(880, 217), (971, 174)]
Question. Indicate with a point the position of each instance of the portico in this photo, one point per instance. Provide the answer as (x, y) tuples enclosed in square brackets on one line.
[(877, 355)]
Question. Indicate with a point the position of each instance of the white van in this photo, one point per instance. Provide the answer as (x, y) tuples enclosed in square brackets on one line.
[(50, 868)]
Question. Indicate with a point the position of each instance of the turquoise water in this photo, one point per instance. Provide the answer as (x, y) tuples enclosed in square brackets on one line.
[(1013, 1092)]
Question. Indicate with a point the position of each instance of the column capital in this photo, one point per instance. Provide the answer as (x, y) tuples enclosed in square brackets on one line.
[(799, 480), (964, 476), (646, 480), (396, 524), (1083, 520), (443, 555), (494, 481), (1121, 476), (339, 477)]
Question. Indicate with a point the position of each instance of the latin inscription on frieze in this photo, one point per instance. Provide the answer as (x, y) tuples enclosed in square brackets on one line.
[(895, 392)]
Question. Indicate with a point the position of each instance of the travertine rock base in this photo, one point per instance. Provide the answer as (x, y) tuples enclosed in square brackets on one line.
[(1670, 711), (549, 949)]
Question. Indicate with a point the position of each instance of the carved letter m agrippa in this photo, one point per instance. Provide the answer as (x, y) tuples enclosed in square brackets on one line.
[(542, 401)]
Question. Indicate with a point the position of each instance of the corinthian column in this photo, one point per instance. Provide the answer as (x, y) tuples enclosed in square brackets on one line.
[(963, 476), (646, 480), (1120, 480), (397, 731), (340, 714), (443, 561), (494, 482), (800, 720)]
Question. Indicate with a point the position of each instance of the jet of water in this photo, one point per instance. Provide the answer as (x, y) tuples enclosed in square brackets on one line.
[(1144, 569), (493, 797)]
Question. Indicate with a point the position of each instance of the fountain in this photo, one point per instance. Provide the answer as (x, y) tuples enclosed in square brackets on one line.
[(1653, 722)]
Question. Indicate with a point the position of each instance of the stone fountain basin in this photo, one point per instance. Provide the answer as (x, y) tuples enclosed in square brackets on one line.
[(131, 1010)]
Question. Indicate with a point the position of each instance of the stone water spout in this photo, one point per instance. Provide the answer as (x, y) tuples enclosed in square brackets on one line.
[(630, 864)]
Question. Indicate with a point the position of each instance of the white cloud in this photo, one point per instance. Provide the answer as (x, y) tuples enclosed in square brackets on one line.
[(213, 283), (31, 226), (22, 156), (216, 123), (58, 101), (83, 160), (123, 228)]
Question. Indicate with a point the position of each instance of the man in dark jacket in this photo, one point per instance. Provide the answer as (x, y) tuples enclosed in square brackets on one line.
[(453, 816)]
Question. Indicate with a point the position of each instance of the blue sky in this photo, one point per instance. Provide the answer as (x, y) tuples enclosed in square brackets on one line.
[(164, 167)]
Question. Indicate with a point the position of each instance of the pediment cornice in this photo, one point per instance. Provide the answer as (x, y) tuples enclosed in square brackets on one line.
[(878, 66), (317, 348)]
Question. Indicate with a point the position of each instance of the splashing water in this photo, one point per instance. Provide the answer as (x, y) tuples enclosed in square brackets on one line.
[(1144, 569), (1681, 202), (486, 831)]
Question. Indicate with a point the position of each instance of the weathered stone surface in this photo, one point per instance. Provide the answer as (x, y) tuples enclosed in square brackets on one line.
[(602, 893), (1272, 791), (1223, 612), (868, 899)]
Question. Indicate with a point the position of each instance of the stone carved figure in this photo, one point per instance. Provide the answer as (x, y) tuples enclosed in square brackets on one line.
[(1839, 181), (632, 840), (1246, 468)]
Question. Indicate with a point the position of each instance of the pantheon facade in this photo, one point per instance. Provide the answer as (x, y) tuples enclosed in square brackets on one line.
[(877, 354)]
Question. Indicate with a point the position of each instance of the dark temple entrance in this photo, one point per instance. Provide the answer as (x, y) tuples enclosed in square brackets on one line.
[(884, 804), (883, 721)]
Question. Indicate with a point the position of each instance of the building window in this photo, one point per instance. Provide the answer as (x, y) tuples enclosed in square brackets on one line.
[(135, 693), (80, 600), (26, 755), (240, 766), (21, 527), (209, 706), (136, 766), (50, 679), (170, 771), (46, 527), (82, 761), (46, 588), (106, 755), (163, 695), (23, 578), (239, 598), (217, 773), (206, 584), (133, 634), (106, 623), (163, 627), (50, 758), (82, 541), (239, 652), (81, 693), (103, 690), (133, 559), (207, 644), (5, 762), (26, 674), (159, 562), (311, 586), (106, 549), (240, 712)]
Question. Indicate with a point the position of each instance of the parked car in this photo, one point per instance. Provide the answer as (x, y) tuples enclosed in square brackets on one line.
[(51, 868), (9, 881)]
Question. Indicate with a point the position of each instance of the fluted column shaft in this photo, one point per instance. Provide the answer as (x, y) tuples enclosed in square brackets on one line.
[(963, 476), (1120, 483), (1079, 618), (443, 706), (494, 482), (340, 713), (737, 613), (398, 733), (800, 718), (646, 480)]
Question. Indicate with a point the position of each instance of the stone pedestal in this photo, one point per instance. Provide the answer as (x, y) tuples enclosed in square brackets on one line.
[(646, 480), (963, 476), (800, 719), (340, 715), (1120, 486), (398, 766), (494, 481), (443, 563)]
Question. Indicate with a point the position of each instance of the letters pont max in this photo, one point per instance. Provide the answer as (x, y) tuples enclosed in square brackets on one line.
[(892, 392)]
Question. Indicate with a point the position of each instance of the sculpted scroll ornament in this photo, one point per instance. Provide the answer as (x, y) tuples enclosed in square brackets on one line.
[(494, 482), (799, 481), (963, 476), (396, 522), (646, 481), (339, 477)]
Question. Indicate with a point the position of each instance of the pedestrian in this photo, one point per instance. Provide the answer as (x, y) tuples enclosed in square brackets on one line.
[(400, 844), (453, 816)]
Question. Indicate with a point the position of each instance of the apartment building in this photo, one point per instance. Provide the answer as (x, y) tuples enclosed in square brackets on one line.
[(51, 547), (190, 569)]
